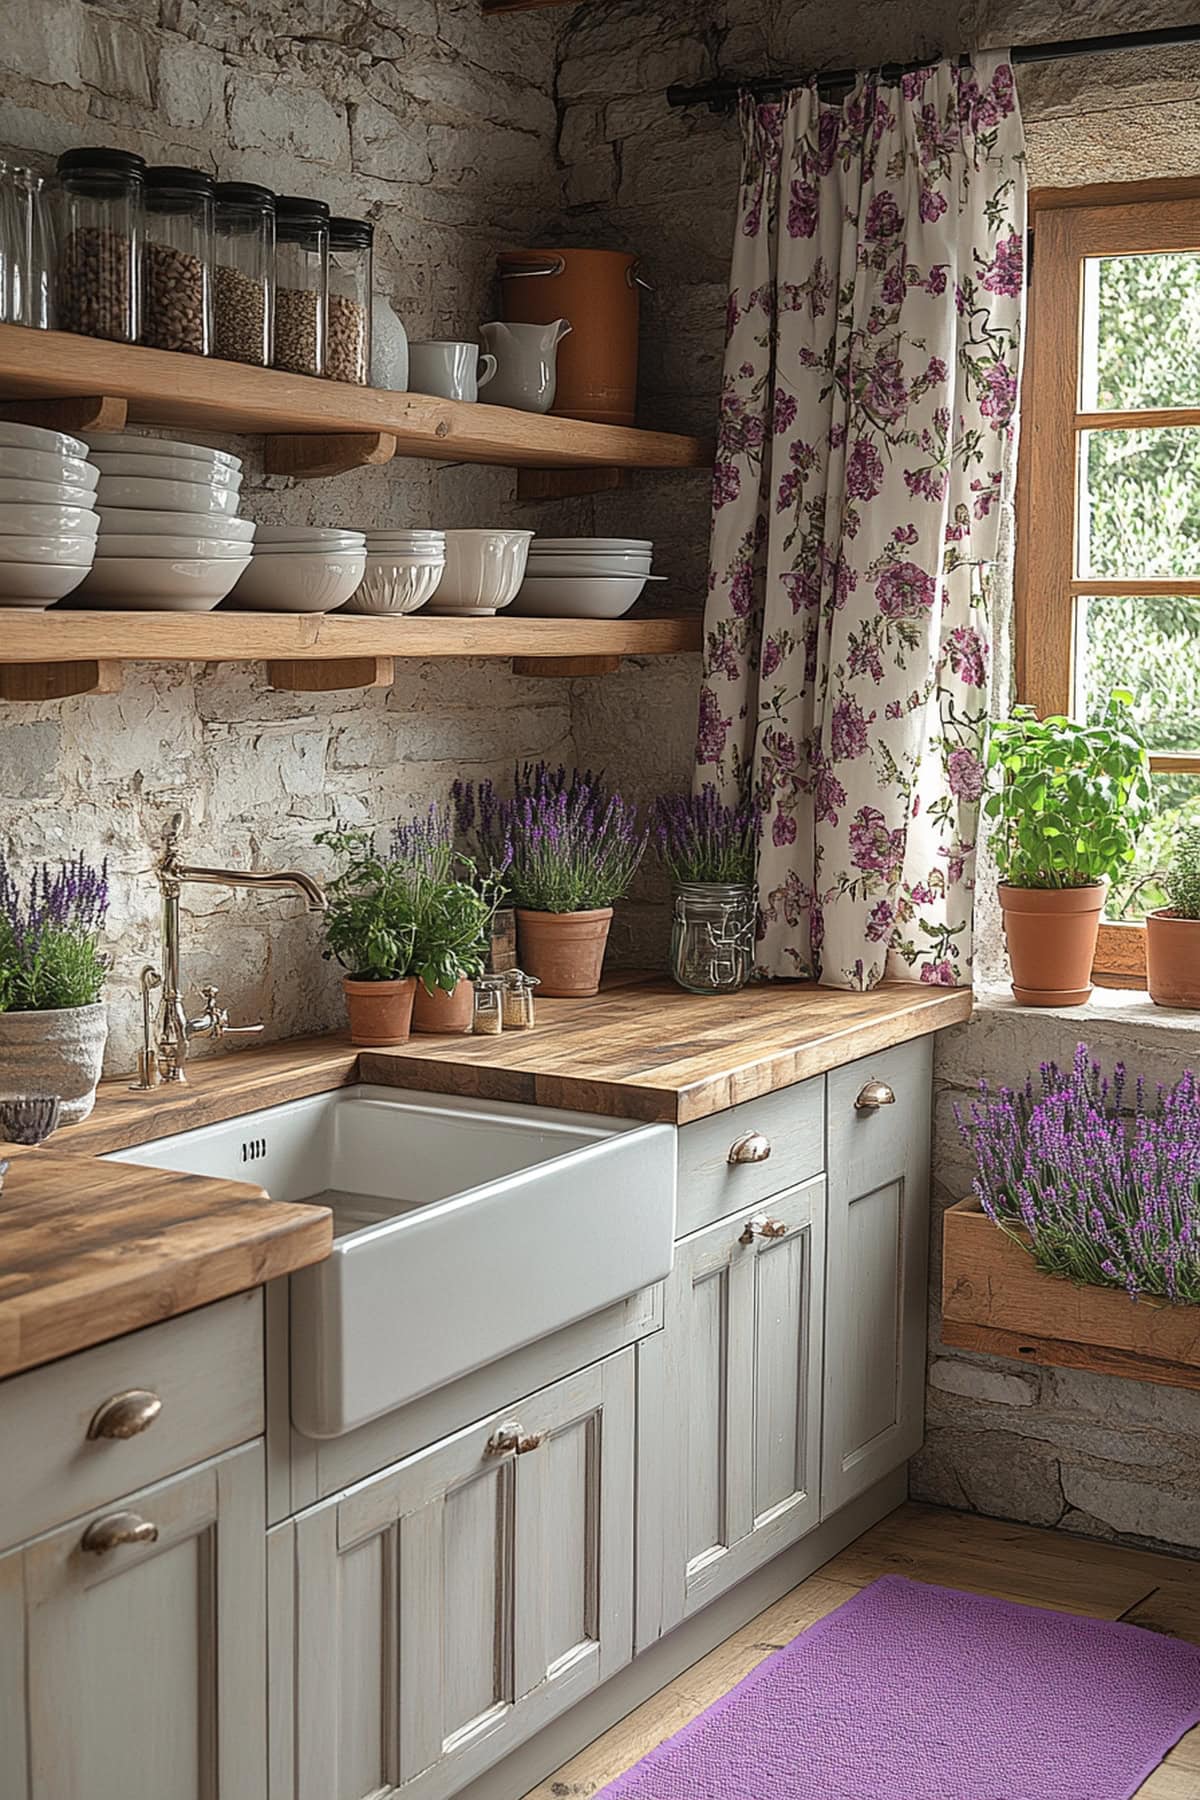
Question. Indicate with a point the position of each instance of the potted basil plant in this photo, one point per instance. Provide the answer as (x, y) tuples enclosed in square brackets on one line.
[(371, 930)]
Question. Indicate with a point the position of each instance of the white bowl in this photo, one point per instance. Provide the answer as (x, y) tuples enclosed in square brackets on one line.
[(594, 543), (123, 443), (130, 520), (40, 465), (167, 468), (483, 572), (49, 548), (347, 547), (299, 584), (47, 521), (395, 540), (311, 534), (38, 584), (396, 584), (596, 562), (162, 584), (120, 543), (579, 596), (36, 437), (24, 492), (166, 496)]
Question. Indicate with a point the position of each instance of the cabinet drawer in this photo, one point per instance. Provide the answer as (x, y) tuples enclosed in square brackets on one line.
[(711, 1187), (205, 1367)]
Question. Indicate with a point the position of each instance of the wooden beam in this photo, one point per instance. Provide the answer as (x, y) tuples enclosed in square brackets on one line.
[(328, 454), (58, 680), (565, 667), (71, 413), (566, 484), (328, 676)]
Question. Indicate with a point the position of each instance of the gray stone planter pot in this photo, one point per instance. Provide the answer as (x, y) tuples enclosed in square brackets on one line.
[(59, 1052)]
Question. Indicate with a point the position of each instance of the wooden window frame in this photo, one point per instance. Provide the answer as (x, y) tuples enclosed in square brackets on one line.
[(1068, 226)]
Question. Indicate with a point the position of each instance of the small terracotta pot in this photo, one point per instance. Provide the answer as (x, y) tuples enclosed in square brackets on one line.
[(380, 1011), (564, 950), (442, 1011), (1173, 959), (1051, 934)]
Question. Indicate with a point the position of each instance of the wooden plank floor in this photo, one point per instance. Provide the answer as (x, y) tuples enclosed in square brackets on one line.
[(926, 1543)]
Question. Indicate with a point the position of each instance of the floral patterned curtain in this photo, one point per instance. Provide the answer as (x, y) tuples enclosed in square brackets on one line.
[(870, 387)]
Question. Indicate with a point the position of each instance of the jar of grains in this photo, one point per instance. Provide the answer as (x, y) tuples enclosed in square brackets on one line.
[(177, 306), (301, 283), (348, 327), (244, 273), (98, 289)]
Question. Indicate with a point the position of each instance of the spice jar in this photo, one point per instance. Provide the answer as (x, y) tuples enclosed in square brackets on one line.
[(348, 327), (244, 273), (177, 260), (516, 1000), (301, 283), (488, 1019), (99, 271)]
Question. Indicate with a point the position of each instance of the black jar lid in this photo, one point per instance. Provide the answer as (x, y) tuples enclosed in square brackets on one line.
[(178, 180), (299, 208), (244, 193), (102, 162), (351, 234)]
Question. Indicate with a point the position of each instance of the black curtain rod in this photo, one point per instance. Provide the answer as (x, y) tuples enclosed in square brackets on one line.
[(722, 96)]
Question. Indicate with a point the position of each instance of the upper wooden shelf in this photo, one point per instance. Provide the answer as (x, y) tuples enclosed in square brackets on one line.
[(161, 387)]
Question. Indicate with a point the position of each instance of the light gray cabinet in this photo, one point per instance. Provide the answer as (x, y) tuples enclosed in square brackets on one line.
[(730, 1406), (451, 1605), (132, 1665)]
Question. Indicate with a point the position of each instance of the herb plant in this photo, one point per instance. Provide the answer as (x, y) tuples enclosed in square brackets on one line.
[(50, 954), (453, 904), (699, 838), (1182, 880), (371, 920), (565, 843), (1070, 800), (1099, 1185)]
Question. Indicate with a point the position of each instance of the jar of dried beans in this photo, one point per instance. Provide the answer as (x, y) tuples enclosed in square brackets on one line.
[(98, 288), (301, 283), (177, 307), (244, 273), (348, 328)]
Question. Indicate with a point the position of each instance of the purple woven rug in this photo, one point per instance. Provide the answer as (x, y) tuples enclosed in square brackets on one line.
[(910, 1692)]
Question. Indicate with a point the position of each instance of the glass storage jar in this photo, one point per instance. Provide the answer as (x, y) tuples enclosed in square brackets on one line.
[(301, 283), (348, 326), (244, 273), (177, 260), (98, 289), (26, 242), (712, 936)]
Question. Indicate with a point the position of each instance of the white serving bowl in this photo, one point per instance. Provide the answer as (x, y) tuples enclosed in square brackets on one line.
[(38, 584), (588, 544), (396, 584), (20, 492), (579, 596), (23, 520), (167, 468), (299, 584), (36, 437), (122, 543), (483, 571), (162, 584), (166, 496), (312, 534), (131, 521), (41, 465), (49, 548), (597, 562), (122, 443), (396, 540), (348, 548)]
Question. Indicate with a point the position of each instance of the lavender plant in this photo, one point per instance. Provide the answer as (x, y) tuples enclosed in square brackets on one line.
[(1100, 1186), (565, 842), (50, 954), (699, 838)]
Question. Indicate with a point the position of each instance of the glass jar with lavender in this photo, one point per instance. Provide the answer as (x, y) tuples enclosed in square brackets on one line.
[(708, 848)]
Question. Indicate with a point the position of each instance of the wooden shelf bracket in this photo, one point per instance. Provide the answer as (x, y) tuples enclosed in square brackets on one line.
[(58, 680), (565, 668), (72, 413), (332, 673), (566, 484), (332, 453)]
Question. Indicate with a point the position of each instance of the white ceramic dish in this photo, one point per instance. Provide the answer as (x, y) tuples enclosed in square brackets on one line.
[(132, 520), (580, 596), (484, 569), (40, 465), (123, 443), (167, 468), (298, 584), (162, 584), (394, 540), (594, 543), (15, 493), (38, 584), (24, 520), (598, 562), (120, 543), (304, 547), (36, 437), (396, 584), (166, 496), (314, 534), (49, 548)]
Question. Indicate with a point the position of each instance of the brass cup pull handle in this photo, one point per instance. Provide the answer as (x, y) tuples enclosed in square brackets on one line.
[(874, 1095), (530, 1441), (116, 1529), (753, 1148), (512, 1439), (764, 1228), (125, 1415)]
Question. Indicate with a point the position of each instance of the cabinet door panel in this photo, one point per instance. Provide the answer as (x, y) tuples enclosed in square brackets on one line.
[(781, 1359)]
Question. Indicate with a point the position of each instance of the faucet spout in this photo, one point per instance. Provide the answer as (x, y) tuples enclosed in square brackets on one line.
[(314, 894)]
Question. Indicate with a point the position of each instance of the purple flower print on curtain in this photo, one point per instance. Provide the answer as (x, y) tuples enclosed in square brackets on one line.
[(869, 394)]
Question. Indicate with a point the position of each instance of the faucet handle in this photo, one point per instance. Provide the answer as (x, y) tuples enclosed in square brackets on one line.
[(219, 1017)]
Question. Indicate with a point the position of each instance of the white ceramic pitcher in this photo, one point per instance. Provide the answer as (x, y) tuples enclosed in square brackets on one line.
[(526, 356)]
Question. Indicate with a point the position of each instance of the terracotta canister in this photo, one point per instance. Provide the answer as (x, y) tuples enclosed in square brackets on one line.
[(1173, 959), (380, 1011), (565, 951), (1051, 935), (596, 291), (442, 1011)]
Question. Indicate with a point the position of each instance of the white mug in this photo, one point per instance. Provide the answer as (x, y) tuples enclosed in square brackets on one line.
[(453, 370)]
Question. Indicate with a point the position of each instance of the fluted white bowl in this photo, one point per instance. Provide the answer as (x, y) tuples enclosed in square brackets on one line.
[(166, 496), (396, 584), (315, 583), (484, 569)]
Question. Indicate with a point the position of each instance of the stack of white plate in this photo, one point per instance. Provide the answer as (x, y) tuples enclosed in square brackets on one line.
[(170, 536), (47, 515), (585, 578), (301, 569), (403, 570)]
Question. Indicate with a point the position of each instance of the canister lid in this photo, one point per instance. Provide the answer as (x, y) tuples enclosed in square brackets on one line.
[(350, 234)]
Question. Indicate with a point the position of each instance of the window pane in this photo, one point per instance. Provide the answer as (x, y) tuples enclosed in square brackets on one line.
[(1149, 644), (1139, 503), (1141, 331), (1177, 801)]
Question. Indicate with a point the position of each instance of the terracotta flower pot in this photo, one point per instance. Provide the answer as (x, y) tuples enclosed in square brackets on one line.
[(565, 951), (1173, 959), (1051, 934), (442, 1011), (380, 1011)]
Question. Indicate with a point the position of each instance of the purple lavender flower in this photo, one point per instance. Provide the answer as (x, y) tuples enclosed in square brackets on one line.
[(49, 941), (564, 842), (699, 838)]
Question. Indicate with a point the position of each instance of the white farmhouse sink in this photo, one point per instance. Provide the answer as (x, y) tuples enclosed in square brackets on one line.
[(462, 1230)]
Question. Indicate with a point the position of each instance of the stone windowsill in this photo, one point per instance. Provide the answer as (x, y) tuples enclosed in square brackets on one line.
[(1111, 1007)]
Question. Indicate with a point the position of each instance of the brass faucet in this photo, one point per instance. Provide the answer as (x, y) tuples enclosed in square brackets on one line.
[(166, 1041)]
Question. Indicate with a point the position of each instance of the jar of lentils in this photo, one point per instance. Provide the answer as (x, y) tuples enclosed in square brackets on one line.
[(177, 301), (98, 289), (301, 283), (348, 329), (244, 273)]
